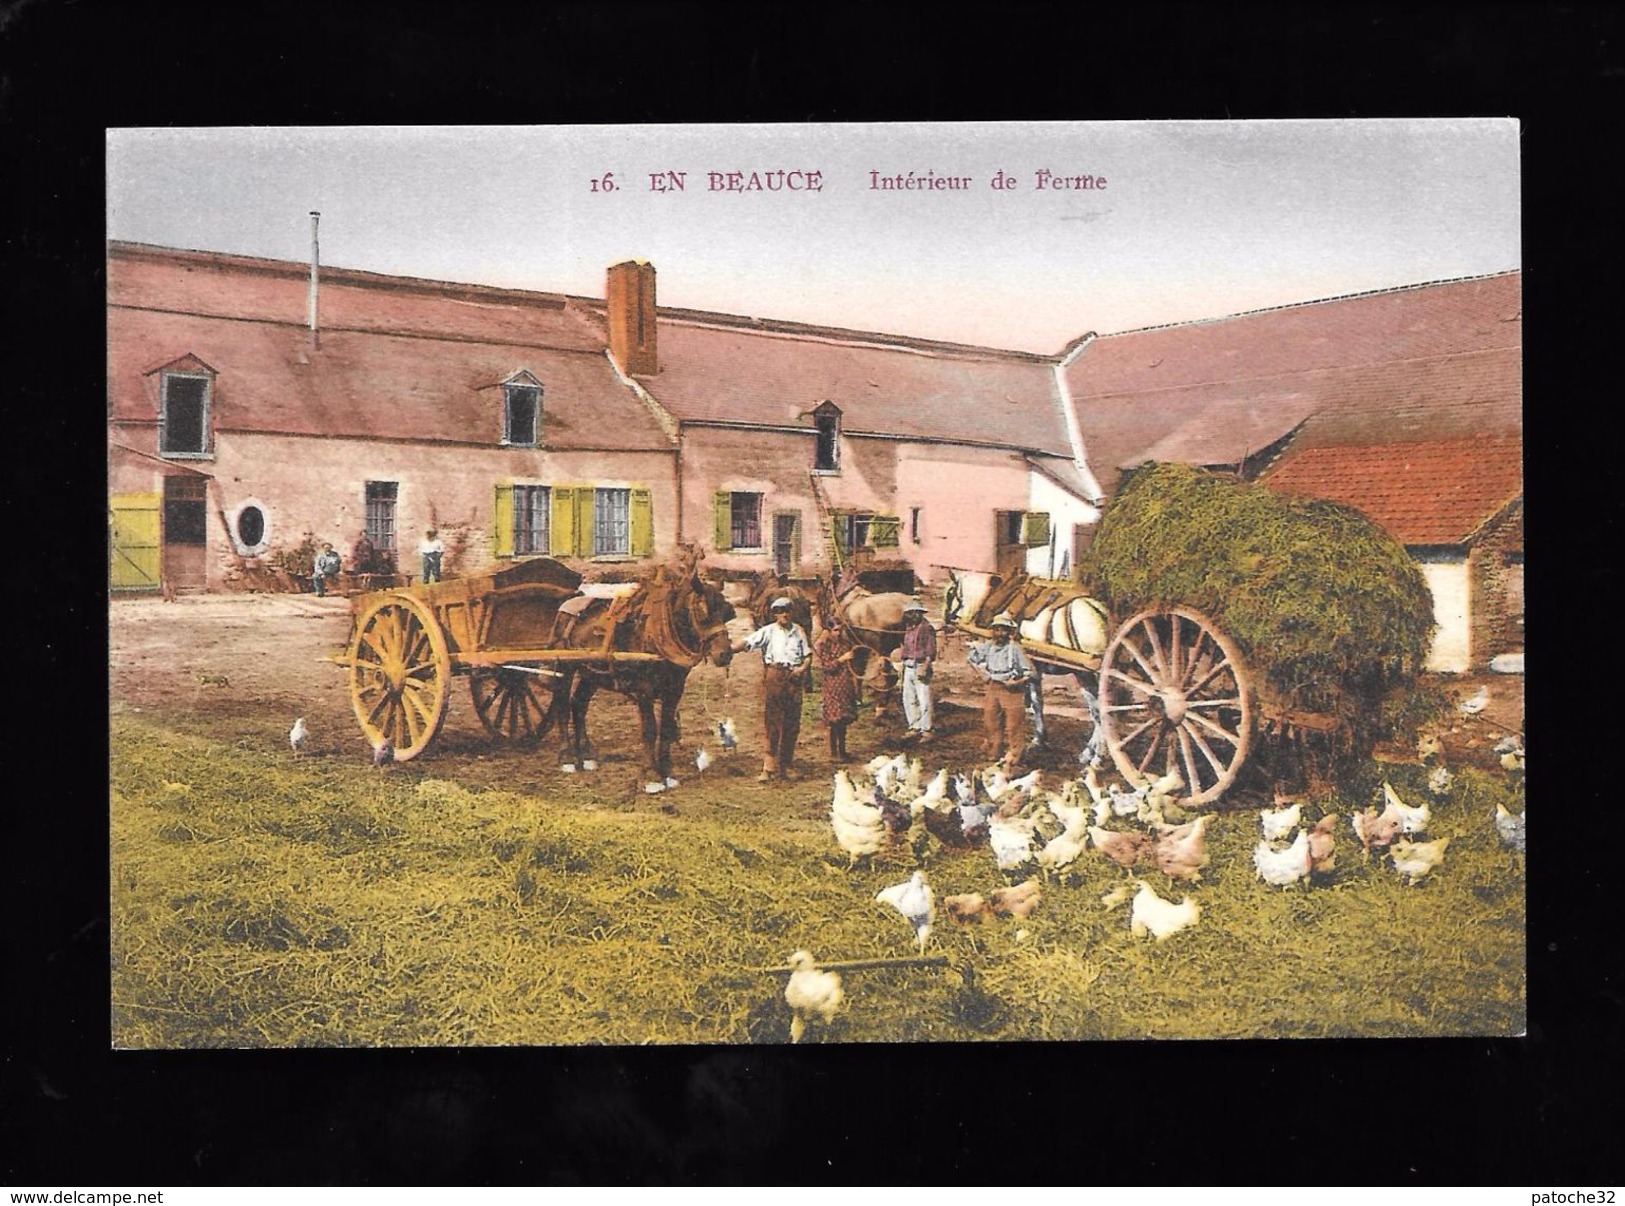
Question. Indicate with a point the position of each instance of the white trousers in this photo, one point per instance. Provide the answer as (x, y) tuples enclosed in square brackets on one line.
[(916, 698)]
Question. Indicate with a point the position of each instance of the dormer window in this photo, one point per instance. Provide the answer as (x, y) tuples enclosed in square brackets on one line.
[(521, 411), (827, 451), (185, 394)]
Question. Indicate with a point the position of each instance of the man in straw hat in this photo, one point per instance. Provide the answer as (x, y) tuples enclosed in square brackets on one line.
[(918, 652), (786, 653), (1004, 667)]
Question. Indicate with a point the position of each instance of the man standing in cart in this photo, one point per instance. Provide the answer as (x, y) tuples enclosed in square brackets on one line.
[(1003, 666), (786, 654)]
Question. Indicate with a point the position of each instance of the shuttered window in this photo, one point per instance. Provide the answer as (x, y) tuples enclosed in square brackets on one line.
[(1035, 529), (611, 523), (532, 526), (883, 531)]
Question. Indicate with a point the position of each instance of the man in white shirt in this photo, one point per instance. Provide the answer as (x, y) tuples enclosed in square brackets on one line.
[(786, 654)]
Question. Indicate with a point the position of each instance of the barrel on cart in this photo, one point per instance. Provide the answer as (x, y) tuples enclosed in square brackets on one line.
[(407, 644), (1174, 692)]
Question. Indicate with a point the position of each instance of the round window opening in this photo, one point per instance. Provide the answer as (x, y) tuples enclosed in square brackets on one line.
[(251, 527)]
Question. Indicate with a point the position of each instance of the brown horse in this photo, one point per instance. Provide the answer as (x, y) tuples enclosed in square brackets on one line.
[(875, 622), (769, 586), (674, 615)]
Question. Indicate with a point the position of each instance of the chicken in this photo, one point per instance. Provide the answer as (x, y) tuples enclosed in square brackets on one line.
[(964, 789), (1071, 815), (727, 734), (859, 828), (973, 819), (1017, 901), (1321, 856), (702, 760), (1278, 822), (1429, 747), (1058, 852), (914, 900), (1153, 915), (1411, 820), (1414, 860), (1475, 703), (1511, 751), (383, 753), (1124, 849), (1091, 782), (895, 817), (1102, 810), (1162, 790), (1181, 850), (1012, 841), (1509, 827), (1441, 781), (1374, 828), (935, 790), (970, 909), (1127, 804), (298, 735), (1028, 784), (1283, 867), (810, 993), (1116, 896)]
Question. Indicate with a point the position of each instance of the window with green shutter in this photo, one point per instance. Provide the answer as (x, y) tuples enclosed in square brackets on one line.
[(1035, 529), (884, 530)]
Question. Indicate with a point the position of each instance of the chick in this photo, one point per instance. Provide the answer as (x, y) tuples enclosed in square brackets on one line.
[(1283, 867), (1182, 850), (1509, 828), (1153, 915), (297, 736), (1124, 849), (1411, 820), (1117, 895), (1321, 856), (1017, 901), (702, 760), (1278, 822), (912, 898), (1414, 860), (859, 828), (810, 993), (727, 734), (970, 909), (1429, 747)]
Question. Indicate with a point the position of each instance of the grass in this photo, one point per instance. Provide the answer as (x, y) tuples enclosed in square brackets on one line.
[(261, 901)]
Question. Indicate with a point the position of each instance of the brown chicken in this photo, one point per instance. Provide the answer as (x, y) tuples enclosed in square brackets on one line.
[(1017, 901), (1124, 849), (970, 909)]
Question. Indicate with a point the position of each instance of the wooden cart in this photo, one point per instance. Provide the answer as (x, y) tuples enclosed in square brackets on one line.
[(1173, 692), (407, 644)]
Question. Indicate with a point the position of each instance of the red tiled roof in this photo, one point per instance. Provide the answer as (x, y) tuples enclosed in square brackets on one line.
[(362, 383), (723, 373), (1432, 493), (1421, 364)]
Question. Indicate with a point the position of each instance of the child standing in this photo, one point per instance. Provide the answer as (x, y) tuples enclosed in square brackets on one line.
[(839, 702)]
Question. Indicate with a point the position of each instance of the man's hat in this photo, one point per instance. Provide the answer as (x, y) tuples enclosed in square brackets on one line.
[(782, 603), (913, 605), (1003, 620)]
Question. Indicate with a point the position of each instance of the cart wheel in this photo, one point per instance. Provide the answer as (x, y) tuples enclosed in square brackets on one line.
[(399, 668), (1174, 696), (513, 705)]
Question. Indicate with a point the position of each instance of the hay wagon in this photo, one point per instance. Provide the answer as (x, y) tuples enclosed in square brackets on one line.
[(1173, 692), (406, 645)]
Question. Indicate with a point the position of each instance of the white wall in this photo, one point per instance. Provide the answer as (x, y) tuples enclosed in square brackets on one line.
[(1066, 510), (1449, 582)]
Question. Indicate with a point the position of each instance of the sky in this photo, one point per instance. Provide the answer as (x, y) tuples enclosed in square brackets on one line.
[(1162, 222)]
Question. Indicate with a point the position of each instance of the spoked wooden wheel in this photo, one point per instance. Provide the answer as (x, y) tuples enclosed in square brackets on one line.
[(399, 669), (1174, 696), (513, 705)]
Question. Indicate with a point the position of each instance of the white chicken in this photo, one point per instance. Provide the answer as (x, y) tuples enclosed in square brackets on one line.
[(702, 760), (859, 828), (914, 900), (1012, 841), (1283, 867), (810, 993), (1278, 822), (1153, 915), (1411, 820), (935, 791), (1475, 703), (727, 734), (1509, 827), (1060, 851), (1127, 803), (1414, 860), (1071, 815), (298, 735)]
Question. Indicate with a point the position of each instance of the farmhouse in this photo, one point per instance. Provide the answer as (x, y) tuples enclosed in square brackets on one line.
[(1405, 404), (236, 428)]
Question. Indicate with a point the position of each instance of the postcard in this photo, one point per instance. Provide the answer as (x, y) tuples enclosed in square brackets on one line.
[(815, 583)]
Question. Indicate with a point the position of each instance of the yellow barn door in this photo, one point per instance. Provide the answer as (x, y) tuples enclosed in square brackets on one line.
[(136, 541)]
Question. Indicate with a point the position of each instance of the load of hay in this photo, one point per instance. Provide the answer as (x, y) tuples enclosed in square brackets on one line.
[(1329, 610)]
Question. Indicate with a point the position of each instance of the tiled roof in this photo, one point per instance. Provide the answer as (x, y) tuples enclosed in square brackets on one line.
[(1426, 493), (421, 367), (730, 374), (1409, 365), (1226, 432)]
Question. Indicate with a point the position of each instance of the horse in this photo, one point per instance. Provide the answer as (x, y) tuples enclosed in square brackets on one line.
[(875, 622), (673, 614), (769, 586)]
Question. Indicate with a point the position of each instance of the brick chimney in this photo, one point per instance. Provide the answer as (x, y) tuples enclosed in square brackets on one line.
[(629, 291)]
